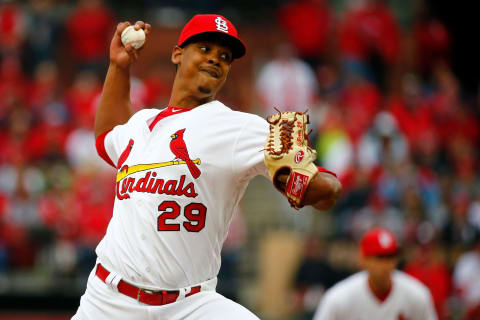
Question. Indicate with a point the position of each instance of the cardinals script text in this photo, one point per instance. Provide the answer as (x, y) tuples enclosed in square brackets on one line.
[(151, 184)]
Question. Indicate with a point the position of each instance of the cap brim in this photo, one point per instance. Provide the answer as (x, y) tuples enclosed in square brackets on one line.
[(387, 254), (236, 45)]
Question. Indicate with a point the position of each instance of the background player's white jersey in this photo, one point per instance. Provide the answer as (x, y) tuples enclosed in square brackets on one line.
[(177, 187), (352, 299)]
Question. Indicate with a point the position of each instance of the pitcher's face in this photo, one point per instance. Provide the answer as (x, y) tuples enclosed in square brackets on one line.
[(202, 67)]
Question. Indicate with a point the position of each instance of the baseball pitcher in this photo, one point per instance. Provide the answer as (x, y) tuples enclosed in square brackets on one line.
[(181, 172)]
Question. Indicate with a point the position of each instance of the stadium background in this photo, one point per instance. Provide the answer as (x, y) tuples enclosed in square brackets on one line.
[(393, 91)]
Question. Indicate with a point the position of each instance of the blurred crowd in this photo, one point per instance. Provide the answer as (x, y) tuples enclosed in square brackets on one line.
[(56, 195), (388, 115), (392, 121)]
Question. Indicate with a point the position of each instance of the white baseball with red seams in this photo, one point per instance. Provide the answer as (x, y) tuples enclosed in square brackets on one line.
[(134, 37)]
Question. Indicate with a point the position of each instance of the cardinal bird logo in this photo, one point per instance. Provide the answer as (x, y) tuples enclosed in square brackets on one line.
[(125, 155), (179, 149)]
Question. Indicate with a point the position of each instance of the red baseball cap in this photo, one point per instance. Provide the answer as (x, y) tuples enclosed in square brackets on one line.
[(378, 242), (215, 24)]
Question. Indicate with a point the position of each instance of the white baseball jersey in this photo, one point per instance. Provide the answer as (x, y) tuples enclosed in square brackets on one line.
[(179, 180), (466, 277), (353, 299)]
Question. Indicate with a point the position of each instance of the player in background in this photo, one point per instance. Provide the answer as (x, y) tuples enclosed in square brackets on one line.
[(379, 292), (466, 279), (181, 172)]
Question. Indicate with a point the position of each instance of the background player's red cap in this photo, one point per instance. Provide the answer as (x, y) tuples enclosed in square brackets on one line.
[(378, 242), (216, 24)]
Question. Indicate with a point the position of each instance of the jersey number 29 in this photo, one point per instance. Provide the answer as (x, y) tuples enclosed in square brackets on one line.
[(194, 212)]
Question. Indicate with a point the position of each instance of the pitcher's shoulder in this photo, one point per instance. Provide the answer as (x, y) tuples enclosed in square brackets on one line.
[(239, 117)]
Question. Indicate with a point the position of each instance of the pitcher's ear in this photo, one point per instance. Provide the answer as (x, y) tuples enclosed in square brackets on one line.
[(177, 53)]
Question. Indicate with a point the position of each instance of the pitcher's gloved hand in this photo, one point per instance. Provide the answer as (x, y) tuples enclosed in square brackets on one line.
[(288, 156)]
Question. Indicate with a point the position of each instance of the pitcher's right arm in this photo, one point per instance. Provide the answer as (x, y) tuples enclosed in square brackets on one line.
[(115, 107)]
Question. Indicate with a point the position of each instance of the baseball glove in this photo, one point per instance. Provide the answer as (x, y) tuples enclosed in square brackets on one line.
[(287, 153)]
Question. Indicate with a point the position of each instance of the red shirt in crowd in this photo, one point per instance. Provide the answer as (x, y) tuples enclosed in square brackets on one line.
[(372, 27), (12, 24), (416, 122), (360, 103), (432, 41), (89, 30), (436, 276), (308, 24)]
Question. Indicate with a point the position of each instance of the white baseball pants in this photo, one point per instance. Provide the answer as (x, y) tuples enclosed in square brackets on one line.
[(101, 302)]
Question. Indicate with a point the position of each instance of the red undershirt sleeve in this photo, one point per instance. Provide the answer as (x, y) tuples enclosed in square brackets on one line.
[(100, 144), (320, 169)]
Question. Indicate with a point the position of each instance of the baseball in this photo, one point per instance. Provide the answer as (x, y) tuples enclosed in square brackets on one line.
[(134, 37)]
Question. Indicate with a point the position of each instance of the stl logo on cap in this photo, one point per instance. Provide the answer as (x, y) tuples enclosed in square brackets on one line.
[(385, 240), (213, 24), (221, 24)]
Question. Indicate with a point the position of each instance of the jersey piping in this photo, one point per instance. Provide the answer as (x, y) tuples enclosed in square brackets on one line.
[(169, 111)]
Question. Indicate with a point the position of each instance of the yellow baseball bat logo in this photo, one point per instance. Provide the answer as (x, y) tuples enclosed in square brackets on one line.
[(142, 167)]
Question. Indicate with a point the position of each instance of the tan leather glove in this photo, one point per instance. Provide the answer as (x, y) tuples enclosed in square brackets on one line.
[(287, 152)]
